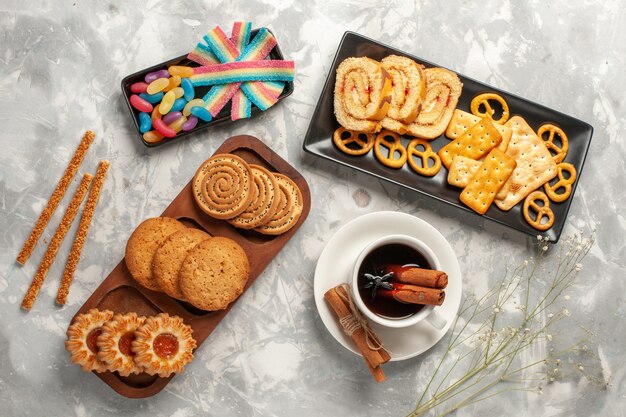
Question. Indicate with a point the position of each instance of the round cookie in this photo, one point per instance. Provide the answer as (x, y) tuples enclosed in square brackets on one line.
[(214, 273), (222, 186), (143, 244), (265, 203), (169, 258), (289, 211)]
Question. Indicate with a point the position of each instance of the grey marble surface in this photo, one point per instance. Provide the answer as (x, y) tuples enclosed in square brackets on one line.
[(61, 63)]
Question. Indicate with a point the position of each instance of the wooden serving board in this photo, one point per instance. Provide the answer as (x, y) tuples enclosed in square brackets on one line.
[(120, 293)]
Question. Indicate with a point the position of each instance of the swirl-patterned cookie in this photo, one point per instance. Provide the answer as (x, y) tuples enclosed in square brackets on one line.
[(163, 345), (82, 338), (114, 344), (222, 186), (289, 211), (265, 202)]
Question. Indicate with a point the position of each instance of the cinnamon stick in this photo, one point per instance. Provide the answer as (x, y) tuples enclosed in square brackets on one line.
[(418, 276), (372, 357), (414, 294)]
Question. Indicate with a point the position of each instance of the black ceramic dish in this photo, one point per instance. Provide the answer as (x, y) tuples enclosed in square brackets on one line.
[(318, 140), (223, 115)]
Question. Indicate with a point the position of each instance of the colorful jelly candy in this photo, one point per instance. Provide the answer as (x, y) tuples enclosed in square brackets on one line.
[(178, 92), (158, 85), (152, 136), (140, 87), (167, 102), (152, 98), (202, 114), (155, 113), (171, 117), (177, 125), (188, 88), (145, 122), (172, 83), (196, 102), (140, 104), (192, 121), (181, 71), (155, 75), (179, 104), (163, 129)]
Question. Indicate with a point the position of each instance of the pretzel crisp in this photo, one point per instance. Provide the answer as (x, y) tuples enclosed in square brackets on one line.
[(559, 151), (424, 155), (542, 210), (565, 183), (393, 147), (342, 141), (484, 99)]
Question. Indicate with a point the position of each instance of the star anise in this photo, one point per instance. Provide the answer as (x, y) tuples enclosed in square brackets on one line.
[(375, 281)]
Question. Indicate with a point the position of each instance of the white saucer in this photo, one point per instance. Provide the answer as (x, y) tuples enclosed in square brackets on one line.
[(336, 261)]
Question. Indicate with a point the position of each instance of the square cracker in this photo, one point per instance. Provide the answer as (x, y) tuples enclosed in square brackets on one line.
[(535, 165), (461, 121), (490, 177), (477, 141), (462, 169)]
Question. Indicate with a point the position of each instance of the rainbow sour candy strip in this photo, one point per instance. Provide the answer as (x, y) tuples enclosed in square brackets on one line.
[(240, 34), (259, 48), (203, 55), (234, 72), (260, 95), (218, 97), (221, 45), (241, 107)]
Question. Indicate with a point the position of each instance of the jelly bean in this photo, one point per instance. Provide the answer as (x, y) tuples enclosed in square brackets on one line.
[(191, 122), (145, 122), (152, 98), (171, 117), (193, 103), (157, 85), (178, 92), (155, 114), (201, 113), (155, 75), (152, 136), (172, 83), (188, 89), (167, 102), (177, 125), (140, 104), (140, 87), (163, 129), (179, 104), (181, 71)]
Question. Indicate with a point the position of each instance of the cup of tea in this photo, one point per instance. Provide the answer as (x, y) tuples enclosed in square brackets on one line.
[(373, 289)]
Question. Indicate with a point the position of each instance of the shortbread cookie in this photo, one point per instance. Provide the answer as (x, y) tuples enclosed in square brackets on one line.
[(461, 121), (163, 345), (290, 208), (143, 244), (535, 165), (461, 170), (443, 89), (485, 183), (82, 336), (114, 344), (222, 186), (265, 202), (362, 94), (214, 273), (476, 142), (169, 258)]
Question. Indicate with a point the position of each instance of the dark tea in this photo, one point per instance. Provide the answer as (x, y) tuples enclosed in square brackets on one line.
[(374, 263)]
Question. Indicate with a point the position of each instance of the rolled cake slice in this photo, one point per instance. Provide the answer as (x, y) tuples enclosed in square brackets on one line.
[(407, 93), (443, 89), (362, 94)]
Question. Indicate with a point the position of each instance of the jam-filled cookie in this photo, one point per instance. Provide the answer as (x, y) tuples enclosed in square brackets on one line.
[(82, 338), (115, 341), (163, 345)]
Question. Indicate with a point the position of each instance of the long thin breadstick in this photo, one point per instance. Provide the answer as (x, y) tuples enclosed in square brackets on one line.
[(55, 198), (55, 243), (81, 234)]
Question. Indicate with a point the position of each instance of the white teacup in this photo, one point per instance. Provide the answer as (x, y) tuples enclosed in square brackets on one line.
[(427, 312)]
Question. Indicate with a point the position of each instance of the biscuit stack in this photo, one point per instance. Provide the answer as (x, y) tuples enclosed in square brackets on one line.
[(247, 196), (164, 255)]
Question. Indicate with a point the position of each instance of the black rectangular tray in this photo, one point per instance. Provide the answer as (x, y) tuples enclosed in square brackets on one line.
[(318, 140), (222, 116)]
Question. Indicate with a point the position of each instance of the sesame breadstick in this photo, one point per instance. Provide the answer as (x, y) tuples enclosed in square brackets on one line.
[(81, 234), (55, 243), (55, 198)]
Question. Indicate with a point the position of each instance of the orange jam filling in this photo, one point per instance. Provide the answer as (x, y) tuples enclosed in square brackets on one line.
[(91, 339), (125, 342), (165, 345)]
